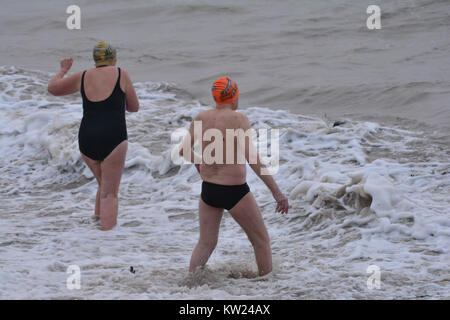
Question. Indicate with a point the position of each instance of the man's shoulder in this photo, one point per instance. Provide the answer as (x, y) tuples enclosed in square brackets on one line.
[(201, 115), (242, 118), (232, 116), (241, 115)]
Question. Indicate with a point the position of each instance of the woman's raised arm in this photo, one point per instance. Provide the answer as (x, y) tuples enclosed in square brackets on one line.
[(60, 86)]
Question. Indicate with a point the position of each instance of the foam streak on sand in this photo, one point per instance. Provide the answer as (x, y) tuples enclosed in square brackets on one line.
[(361, 194)]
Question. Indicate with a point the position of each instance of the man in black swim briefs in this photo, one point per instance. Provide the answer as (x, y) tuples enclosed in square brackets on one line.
[(107, 93), (224, 184)]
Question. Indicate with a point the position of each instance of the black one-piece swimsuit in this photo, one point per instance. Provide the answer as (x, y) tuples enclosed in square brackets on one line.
[(103, 126)]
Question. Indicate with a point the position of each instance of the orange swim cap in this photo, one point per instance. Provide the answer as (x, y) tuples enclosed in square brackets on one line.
[(225, 90)]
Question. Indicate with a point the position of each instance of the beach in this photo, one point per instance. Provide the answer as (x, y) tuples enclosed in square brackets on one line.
[(372, 189)]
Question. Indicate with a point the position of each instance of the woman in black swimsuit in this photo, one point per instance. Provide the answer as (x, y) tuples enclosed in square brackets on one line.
[(107, 93)]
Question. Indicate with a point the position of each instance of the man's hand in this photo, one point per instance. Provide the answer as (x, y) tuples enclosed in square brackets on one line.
[(66, 64), (282, 203)]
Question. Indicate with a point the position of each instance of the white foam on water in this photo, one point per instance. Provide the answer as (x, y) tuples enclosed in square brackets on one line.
[(360, 194)]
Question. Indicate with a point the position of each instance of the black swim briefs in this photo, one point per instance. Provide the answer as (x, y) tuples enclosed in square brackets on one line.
[(222, 196)]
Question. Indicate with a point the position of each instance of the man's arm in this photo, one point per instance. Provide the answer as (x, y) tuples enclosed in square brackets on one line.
[(282, 201)]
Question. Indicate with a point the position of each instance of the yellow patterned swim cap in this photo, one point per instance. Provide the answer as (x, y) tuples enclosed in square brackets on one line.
[(104, 54)]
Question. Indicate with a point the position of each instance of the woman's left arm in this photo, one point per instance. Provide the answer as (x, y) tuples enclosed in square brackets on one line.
[(60, 86)]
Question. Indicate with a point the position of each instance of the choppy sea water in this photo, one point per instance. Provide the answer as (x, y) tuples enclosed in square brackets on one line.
[(308, 57), (361, 193)]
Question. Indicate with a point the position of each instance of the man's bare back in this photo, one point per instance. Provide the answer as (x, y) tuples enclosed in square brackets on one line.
[(221, 119)]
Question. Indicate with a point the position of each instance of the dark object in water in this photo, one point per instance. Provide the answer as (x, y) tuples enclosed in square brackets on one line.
[(132, 270), (338, 123)]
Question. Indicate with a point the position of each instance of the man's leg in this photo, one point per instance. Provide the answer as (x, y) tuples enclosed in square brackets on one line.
[(209, 218), (247, 214)]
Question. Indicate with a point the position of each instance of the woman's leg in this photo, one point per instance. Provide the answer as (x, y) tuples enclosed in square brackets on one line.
[(111, 169), (247, 215), (209, 218), (97, 171)]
